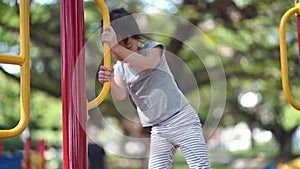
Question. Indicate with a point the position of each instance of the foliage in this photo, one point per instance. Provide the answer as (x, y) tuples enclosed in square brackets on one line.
[(243, 33), (10, 104)]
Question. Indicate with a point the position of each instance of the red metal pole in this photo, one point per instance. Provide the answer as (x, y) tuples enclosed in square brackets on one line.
[(27, 152), (41, 150), (73, 85), (1, 148)]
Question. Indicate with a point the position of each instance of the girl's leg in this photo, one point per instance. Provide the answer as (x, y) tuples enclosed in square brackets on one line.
[(194, 148), (161, 152)]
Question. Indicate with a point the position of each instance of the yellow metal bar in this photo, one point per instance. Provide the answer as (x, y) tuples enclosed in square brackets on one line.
[(11, 59), (25, 73), (297, 4), (107, 58), (283, 55)]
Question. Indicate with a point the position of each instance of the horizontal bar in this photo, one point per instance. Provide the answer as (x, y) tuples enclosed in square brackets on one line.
[(11, 59)]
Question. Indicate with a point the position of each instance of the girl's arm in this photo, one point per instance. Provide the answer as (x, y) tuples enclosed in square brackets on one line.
[(130, 55), (138, 61), (117, 88)]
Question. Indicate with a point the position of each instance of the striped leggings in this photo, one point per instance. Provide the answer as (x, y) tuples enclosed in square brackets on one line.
[(184, 131)]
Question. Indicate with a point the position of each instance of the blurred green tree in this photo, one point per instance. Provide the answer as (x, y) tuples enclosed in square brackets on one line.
[(244, 34)]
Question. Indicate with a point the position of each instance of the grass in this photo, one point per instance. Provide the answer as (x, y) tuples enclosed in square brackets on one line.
[(259, 155), (179, 161), (269, 151), (117, 162)]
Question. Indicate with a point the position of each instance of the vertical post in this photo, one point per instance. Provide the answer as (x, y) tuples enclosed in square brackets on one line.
[(41, 150), (297, 5), (1, 148), (73, 85), (298, 26), (27, 146)]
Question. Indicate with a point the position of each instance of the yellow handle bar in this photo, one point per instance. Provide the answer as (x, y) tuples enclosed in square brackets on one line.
[(107, 58), (23, 61), (283, 54)]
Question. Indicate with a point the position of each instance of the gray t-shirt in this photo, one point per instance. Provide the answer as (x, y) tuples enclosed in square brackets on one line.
[(155, 93)]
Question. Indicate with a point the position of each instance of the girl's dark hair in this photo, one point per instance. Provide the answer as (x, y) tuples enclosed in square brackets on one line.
[(124, 24)]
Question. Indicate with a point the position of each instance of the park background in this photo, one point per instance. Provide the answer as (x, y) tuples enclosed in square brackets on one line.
[(257, 128)]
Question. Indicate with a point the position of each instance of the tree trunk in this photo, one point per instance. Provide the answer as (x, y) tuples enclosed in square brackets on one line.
[(286, 145), (284, 139)]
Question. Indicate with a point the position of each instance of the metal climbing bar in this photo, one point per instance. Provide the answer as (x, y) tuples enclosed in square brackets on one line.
[(22, 60), (11, 59), (107, 58), (283, 53)]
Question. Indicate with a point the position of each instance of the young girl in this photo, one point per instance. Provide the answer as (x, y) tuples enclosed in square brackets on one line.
[(144, 73)]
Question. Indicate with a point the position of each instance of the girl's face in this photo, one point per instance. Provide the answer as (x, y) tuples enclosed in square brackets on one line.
[(130, 44)]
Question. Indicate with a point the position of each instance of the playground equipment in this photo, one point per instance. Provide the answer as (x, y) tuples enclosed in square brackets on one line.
[(22, 60), (11, 162), (283, 52), (27, 160), (107, 58), (291, 165), (75, 104), (74, 100), (284, 68)]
